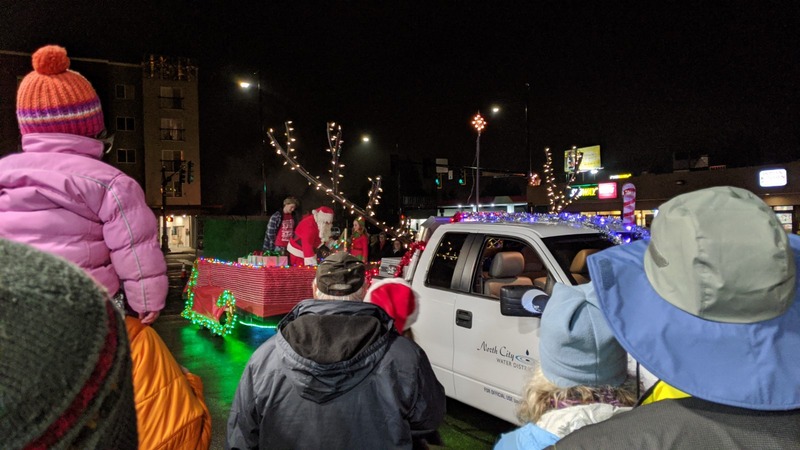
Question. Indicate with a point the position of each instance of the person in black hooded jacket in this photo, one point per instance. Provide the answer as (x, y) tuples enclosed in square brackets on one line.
[(336, 375)]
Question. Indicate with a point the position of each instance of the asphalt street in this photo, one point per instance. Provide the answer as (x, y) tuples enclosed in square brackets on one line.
[(220, 362)]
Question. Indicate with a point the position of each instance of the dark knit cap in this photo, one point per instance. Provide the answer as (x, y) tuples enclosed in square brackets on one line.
[(340, 274), (65, 365)]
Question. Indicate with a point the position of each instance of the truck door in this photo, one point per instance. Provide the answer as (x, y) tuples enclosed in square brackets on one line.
[(495, 355), (434, 278)]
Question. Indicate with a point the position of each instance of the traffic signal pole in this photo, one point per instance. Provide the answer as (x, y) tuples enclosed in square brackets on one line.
[(165, 179)]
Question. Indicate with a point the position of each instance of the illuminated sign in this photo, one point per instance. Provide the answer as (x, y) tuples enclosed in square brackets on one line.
[(583, 190), (619, 176), (607, 190), (590, 161), (772, 178)]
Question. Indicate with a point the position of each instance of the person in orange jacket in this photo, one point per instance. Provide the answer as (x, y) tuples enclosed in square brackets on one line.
[(171, 412)]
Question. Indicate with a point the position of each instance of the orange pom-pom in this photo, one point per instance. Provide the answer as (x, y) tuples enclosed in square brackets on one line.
[(50, 60)]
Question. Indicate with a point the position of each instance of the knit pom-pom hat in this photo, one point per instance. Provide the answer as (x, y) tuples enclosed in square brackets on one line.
[(66, 371), (54, 99), (397, 298)]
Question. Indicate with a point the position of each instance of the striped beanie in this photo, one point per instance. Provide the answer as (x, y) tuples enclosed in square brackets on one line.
[(66, 367), (54, 99)]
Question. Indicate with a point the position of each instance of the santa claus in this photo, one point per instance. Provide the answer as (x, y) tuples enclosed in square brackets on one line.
[(312, 231)]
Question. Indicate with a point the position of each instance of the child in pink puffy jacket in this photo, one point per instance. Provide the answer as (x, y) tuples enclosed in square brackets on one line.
[(58, 196)]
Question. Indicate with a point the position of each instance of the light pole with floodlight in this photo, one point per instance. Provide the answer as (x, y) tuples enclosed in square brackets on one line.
[(479, 123), (247, 85)]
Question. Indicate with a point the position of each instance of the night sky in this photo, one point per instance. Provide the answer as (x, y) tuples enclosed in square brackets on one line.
[(643, 81)]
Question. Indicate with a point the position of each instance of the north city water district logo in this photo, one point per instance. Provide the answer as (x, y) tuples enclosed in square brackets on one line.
[(508, 358)]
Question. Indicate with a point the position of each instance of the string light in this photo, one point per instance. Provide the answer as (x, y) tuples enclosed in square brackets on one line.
[(225, 301), (559, 200), (611, 228), (401, 234), (478, 122)]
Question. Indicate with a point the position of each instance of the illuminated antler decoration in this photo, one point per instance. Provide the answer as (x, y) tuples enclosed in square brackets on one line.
[(560, 200), (335, 149), (374, 195)]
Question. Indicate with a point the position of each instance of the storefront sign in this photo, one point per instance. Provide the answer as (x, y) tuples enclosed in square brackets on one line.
[(619, 176), (607, 190), (772, 178), (583, 190)]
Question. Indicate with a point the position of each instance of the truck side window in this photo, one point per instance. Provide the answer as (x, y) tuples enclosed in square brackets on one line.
[(444, 260), (491, 274)]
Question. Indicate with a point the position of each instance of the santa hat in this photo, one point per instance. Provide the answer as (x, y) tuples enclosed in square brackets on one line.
[(397, 298)]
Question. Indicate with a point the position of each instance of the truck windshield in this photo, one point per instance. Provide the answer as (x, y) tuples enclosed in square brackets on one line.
[(570, 253)]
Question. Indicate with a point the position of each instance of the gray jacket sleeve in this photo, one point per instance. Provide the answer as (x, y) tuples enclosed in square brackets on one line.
[(243, 428), (430, 403)]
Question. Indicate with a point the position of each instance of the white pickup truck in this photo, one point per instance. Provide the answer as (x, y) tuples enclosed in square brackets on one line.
[(483, 345)]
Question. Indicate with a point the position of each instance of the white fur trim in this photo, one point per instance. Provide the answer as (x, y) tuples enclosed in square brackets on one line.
[(294, 250)]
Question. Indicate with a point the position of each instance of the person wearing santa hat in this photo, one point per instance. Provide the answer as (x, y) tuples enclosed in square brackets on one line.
[(397, 298), (312, 231)]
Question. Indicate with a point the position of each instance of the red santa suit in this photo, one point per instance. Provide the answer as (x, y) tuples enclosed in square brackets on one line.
[(312, 231)]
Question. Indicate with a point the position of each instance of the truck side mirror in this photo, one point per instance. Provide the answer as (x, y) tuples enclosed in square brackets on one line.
[(522, 301)]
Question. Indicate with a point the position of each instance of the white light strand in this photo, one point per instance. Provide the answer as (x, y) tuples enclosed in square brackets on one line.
[(368, 214)]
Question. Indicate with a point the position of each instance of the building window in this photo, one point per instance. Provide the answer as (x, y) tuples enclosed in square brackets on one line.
[(124, 91), (172, 130), (126, 124), (126, 156), (170, 97)]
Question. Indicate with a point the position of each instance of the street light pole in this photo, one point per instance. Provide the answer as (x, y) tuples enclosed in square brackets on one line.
[(263, 146), (528, 129), (479, 123), (263, 137)]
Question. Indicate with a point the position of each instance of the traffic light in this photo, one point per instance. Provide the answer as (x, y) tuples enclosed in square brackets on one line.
[(438, 181), (462, 177), (182, 175), (190, 172)]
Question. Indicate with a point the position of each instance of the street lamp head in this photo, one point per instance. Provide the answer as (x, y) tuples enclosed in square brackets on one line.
[(495, 109), (478, 122), (245, 84), (365, 138)]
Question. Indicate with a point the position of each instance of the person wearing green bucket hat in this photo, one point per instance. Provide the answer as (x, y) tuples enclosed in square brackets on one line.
[(709, 306)]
